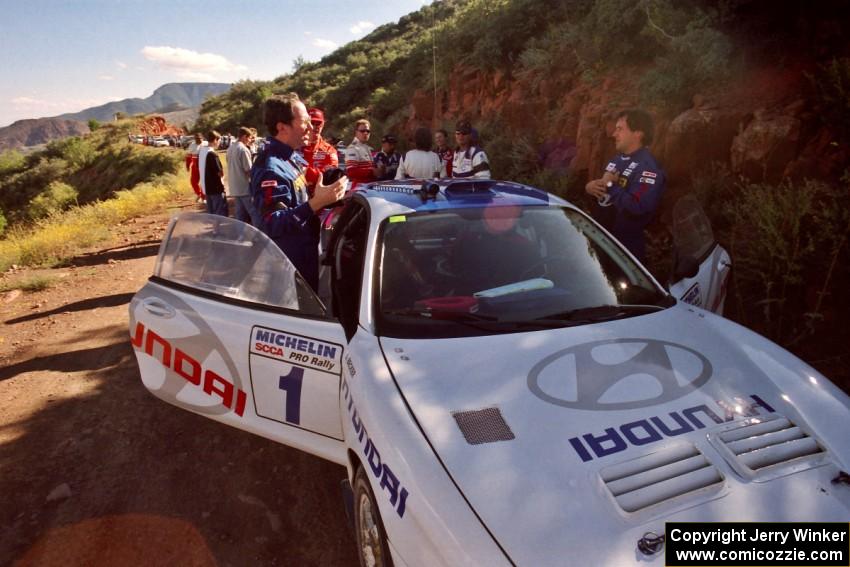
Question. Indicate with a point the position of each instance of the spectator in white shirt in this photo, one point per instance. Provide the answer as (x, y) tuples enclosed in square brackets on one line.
[(421, 163)]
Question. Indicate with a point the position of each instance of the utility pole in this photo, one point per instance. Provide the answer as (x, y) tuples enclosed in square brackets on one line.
[(434, 121)]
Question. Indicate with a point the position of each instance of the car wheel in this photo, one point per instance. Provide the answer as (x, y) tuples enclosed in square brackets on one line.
[(372, 547)]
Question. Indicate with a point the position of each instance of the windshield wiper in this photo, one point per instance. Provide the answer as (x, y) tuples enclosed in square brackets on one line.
[(601, 313), (487, 323), (478, 321)]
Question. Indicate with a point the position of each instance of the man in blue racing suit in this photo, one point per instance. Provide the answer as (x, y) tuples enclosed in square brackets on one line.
[(630, 190), (279, 187)]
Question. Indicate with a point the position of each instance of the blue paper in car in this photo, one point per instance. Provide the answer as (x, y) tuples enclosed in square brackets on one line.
[(530, 304)]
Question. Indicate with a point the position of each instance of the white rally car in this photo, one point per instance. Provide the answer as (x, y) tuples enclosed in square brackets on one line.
[(504, 383)]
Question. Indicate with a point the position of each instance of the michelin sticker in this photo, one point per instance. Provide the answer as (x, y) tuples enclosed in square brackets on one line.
[(303, 351), (295, 379)]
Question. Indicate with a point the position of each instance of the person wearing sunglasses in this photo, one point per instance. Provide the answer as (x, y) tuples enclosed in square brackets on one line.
[(358, 155), (470, 161)]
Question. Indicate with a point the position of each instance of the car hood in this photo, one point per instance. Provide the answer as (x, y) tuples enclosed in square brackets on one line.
[(575, 442)]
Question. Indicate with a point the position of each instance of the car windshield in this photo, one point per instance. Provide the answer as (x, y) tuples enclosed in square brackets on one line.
[(497, 269)]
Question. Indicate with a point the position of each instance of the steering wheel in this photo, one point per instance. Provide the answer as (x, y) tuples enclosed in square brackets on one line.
[(546, 260)]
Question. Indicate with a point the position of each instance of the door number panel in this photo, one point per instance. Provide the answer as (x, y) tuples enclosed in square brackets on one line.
[(295, 379)]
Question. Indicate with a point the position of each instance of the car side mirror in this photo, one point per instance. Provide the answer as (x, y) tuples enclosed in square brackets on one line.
[(686, 267)]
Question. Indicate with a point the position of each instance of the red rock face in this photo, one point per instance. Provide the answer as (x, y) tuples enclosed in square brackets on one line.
[(765, 147), (697, 138), (157, 126), (760, 126)]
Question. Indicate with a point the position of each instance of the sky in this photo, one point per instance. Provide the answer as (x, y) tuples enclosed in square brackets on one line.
[(60, 56)]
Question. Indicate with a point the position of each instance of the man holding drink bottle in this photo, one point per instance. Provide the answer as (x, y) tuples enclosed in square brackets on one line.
[(630, 190)]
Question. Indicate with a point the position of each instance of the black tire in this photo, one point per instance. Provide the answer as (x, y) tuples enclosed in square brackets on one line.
[(371, 538)]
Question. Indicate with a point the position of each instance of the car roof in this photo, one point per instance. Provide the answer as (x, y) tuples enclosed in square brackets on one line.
[(415, 195)]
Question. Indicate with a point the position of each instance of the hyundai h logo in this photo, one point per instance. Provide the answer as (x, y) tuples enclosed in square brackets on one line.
[(618, 374)]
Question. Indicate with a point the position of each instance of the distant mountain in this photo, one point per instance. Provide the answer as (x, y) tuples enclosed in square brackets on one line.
[(168, 97), (179, 102), (34, 131)]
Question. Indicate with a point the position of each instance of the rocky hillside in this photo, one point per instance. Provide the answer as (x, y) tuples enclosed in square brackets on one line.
[(738, 83), (32, 132)]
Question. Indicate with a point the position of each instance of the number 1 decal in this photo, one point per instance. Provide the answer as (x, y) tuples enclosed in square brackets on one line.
[(291, 384)]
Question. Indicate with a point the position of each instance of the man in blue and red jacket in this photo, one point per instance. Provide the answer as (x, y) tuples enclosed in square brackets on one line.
[(630, 190), (279, 186)]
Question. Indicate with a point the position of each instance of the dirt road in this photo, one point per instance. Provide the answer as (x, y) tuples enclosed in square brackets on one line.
[(95, 471)]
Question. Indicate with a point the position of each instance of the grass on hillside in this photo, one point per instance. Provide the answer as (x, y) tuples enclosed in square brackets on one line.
[(65, 234)]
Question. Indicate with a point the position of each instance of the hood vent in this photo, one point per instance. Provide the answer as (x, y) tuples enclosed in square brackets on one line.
[(756, 445), (660, 477), (483, 426)]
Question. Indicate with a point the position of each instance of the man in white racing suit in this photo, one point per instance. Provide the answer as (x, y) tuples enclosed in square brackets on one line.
[(470, 161)]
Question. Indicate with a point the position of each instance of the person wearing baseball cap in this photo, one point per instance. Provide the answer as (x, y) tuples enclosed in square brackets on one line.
[(387, 160), (318, 153), (469, 160)]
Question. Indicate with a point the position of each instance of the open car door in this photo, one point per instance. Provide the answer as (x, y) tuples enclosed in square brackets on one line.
[(227, 328), (701, 266)]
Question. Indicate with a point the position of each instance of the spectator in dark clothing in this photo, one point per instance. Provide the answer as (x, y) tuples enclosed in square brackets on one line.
[(387, 160), (441, 139), (214, 178)]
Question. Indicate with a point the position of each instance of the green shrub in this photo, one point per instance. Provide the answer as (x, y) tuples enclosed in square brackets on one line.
[(241, 105), (11, 161), (62, 235), (18, 189), (699, 57), (3, 223), (57, 197), (31, 283), (95, 166), (831, 83), (781, 238)]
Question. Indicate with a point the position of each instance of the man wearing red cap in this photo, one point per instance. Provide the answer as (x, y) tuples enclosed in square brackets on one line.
[(319, 154)]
